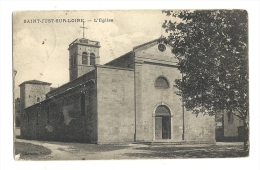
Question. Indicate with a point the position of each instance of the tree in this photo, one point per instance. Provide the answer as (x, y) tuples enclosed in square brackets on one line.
[(212, 49)]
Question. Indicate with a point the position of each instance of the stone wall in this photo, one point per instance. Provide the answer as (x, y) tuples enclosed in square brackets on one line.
[(115, 110), (61, 118), (231, 126), (199, 128), (30, 93), (148, 98), (150, 63), (22, 97), (79, 69), (83, 69)]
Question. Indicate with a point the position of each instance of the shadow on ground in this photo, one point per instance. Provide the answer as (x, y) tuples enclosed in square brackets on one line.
[(93, 148), (188, 152), (29, 151)]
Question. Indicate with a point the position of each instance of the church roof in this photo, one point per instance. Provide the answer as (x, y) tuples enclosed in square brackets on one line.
[(88, 77), (49, 95), (123, 62), (150, 42), (53, 88), (35, 82)]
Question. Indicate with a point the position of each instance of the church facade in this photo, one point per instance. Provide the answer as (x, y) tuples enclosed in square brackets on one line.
[(129, 99)]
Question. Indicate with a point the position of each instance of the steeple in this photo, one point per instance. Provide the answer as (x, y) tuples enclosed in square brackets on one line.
[(83, 55)]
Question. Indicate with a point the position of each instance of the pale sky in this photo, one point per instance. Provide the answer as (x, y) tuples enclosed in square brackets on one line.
[(50, 61)]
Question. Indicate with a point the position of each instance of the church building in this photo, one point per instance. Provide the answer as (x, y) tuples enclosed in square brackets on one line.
[(130, 99)]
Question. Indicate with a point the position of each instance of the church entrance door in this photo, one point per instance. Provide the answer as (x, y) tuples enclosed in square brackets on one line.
[(162, 123), (166, 127)]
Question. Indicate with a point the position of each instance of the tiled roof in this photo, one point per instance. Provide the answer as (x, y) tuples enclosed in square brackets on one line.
[(35, 82), (53, 88)]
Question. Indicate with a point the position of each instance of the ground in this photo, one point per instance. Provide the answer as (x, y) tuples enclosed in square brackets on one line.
[(43, 150)]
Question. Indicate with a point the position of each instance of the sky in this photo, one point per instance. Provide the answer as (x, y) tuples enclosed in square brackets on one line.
[(40, 49)]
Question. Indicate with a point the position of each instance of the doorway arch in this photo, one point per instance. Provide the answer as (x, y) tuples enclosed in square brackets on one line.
[(162, 119)]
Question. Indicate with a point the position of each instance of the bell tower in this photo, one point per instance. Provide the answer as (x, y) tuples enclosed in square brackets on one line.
[(83, 56)]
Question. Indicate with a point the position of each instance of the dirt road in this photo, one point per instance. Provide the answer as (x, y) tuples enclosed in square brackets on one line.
[(80, 151), (66, 151)]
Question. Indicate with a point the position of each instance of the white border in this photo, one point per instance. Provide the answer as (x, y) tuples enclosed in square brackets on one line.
[(6, 129)]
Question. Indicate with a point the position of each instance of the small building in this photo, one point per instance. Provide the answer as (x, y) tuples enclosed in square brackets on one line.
[(229, 128), (129, 99)]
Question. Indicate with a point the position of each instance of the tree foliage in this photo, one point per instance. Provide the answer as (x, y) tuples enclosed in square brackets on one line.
[(212, 49)]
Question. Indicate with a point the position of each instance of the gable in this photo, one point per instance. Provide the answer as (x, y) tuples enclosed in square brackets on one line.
[(150, 52)]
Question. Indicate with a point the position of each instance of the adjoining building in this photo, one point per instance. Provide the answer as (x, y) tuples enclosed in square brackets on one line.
[(229, 128), (129, 99)]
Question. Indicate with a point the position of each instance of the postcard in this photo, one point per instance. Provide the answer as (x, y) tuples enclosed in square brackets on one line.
[(130, 84)]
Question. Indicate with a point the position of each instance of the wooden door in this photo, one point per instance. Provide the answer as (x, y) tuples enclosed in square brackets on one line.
[(158, 128), (166, 127)]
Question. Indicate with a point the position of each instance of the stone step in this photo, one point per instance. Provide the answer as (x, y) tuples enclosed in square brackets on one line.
[(168, 142)]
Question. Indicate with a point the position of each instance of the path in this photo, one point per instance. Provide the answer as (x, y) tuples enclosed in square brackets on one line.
[(80, 151), (64, 152)]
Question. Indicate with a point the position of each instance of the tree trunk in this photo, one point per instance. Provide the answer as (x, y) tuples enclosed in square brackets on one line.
[(246, 134)]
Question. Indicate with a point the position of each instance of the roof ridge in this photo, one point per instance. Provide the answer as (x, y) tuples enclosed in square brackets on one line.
[(149, 42), (35, 82)]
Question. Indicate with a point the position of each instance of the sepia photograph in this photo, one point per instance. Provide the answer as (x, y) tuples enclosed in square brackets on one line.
[(130, 84)]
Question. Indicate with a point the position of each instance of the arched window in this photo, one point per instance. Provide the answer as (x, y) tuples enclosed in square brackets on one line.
[(38, 99), (161, 83), (92, 59), (84, 58), (162, 110)]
